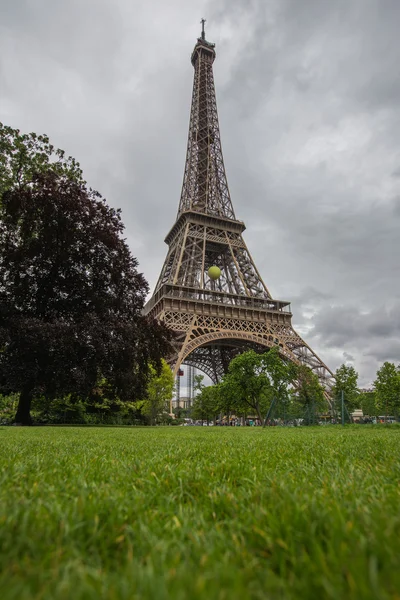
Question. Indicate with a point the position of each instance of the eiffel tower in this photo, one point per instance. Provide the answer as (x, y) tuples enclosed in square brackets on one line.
[(214, 320)]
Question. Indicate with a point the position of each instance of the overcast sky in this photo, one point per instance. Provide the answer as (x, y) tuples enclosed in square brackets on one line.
[(308, 97)]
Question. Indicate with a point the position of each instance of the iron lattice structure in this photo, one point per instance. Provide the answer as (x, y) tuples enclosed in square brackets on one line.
[(215, 320)]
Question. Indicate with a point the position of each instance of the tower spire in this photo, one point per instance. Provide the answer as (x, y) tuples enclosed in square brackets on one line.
[(203, 34), (205, 187)]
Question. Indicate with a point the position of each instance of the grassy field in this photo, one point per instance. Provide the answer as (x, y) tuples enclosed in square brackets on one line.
[(199, 513)]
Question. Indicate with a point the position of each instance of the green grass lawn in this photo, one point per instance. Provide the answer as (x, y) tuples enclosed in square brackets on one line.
[(199, 513)]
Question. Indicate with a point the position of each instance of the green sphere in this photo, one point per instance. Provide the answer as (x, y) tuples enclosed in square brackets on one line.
[(214, 273)]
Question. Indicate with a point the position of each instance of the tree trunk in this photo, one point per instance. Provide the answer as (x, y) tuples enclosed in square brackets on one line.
[(23, 416)]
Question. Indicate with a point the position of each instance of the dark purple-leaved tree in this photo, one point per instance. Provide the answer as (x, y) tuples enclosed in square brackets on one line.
[(71, 297)]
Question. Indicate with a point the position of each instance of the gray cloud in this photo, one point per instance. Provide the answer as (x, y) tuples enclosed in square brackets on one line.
[(308, 99), (341, 325)]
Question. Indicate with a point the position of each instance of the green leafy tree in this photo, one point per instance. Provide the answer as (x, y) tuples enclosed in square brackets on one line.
[(159, 392), (255, 379), (205, 405), (367, 402), (225, 398), (8, 405), (387, 389), (24, 156), (346, 378), (198, 383), (308, 392), (71, 297), (248, 386)]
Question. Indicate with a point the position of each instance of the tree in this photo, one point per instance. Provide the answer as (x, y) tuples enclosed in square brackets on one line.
[(71, 297), (308, 392), (387, 389), (247, 384), (159, 392), (367, 402), (205, 405), (8, 405), (346, 381), (255, 379), (24, 156), (226, 399), (198, 383)]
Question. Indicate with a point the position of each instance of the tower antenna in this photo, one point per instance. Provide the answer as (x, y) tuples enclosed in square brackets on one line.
[(203, 34)]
